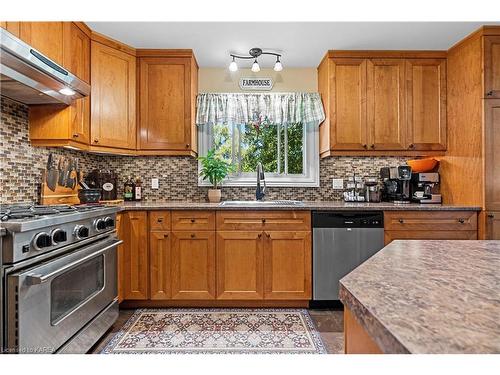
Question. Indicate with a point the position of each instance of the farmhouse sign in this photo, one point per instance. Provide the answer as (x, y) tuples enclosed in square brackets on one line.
[(264, 84)]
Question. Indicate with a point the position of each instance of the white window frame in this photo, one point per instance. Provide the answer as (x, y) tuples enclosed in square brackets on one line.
[(310, 178)]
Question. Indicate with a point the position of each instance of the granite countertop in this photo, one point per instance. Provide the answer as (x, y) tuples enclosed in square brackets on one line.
[(326, 205), (429, 296)]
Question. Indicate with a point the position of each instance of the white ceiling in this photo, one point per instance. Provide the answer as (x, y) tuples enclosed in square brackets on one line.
[(302, 44)]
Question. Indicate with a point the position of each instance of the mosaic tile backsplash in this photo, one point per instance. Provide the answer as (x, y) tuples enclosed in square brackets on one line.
[(22, 165)]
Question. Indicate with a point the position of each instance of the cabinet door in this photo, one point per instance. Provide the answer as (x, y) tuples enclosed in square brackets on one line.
[(193, 265), (119, 256), (159, 266), (240, 265), (348, 129), (386, 107), (426, 104), (12, 27), (165, 104), (112, 97), (492, 153), (135, 254), (77, 61), (492, 67), (493, 226), (287, 265), (46, 37)]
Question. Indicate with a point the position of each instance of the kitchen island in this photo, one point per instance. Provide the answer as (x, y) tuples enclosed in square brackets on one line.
[(425, 297)]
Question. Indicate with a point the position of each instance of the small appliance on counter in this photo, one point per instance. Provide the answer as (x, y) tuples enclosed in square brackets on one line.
[(372, 191), (104, 180), (425, 188), (396, 182)]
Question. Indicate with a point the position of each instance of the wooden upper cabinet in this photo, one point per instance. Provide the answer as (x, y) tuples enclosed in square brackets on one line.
[(76, 51), (386, 104), (165, 121), (193, 265), (492, 153), (46, 37), (135, 255), (287, 265), (12, 27), (491, 67), (113, 76), (240, 265), (426, 104)]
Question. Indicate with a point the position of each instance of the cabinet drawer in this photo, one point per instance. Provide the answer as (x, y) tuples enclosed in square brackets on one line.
[(193, 220), (391, 235), (430, 220), (159, 220), (264, 220)]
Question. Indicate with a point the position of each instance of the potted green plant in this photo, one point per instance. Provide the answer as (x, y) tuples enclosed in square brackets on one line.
[(214, 170)]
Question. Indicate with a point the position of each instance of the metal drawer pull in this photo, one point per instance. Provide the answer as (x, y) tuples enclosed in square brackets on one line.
[(259, 235), (401, 221), (193, 220), (40, 279), (461, 220), (491, 216), (193, 235), (165, 236), (160, 220), (263, 221), (268, 235)]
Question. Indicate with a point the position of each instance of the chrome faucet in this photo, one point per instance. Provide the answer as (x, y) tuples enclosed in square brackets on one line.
[(261, 179)]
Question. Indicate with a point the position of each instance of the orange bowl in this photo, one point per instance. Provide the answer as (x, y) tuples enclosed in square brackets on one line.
[(422, 165)]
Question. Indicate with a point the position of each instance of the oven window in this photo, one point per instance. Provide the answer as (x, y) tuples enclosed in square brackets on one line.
[(76, 286)]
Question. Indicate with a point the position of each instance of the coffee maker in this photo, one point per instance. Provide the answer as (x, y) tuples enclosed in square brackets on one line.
[(396, 184), (425, 188)]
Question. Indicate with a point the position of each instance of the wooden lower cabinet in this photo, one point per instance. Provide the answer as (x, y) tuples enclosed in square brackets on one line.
[(193, 265), (356, 339), (240, 265), (159, 265), (493, 226), (287, 265), (135, 255), (119, 256), (391, 235)]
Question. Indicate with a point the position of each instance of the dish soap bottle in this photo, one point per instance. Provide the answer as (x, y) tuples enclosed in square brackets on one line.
[(128, 190), (138, 189)]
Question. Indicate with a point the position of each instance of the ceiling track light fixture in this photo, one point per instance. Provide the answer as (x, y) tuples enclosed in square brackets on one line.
[(254, 53)]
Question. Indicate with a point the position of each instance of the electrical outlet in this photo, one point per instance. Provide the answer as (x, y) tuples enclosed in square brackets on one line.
[(155, 183), (338, 183)]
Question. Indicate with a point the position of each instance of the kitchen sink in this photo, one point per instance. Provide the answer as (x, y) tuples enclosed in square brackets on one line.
[(261, 203)]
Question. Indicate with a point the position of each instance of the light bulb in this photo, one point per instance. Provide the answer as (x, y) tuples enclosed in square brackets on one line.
[(277, 66), (67, 91), (255, 66), (233, 67)]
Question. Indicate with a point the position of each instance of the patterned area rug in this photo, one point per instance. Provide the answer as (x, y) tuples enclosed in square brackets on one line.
[(217, 331)]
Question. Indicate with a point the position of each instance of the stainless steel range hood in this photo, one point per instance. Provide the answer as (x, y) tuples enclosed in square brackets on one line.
[(29, 77)]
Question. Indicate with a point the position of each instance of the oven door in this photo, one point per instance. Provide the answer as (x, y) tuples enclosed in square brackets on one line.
[(51, 302)]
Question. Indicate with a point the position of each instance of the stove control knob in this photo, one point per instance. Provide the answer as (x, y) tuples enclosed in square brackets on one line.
[(81, 232), (99, 224), (58, 236), (109, 222), (42, 240)]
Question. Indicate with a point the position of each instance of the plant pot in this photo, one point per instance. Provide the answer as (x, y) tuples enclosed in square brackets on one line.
[(214, 195)]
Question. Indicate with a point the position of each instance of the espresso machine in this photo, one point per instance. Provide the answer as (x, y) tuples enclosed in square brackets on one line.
[(396, 184), (424, 188)]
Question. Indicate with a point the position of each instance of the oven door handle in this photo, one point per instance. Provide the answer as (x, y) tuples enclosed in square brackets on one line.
[(40, 279)]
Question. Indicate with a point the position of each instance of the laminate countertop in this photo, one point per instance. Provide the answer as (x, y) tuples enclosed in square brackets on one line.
[(429, 297), (317, 206)]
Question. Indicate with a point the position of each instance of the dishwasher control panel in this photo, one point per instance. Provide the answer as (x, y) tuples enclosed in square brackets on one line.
[(348, 219)]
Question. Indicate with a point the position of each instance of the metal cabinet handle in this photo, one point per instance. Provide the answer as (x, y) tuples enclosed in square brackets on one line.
[(461, 220), (40, 279), (75, 135), (401, 221), (96, 140), (160, 220), (267, 235), (193, 220), (187, 145), (372, 145), (165, 236), (491, 216), (489, 93), (263, 221), (193, 235), (365, 146), (411, 146), (259, 235)]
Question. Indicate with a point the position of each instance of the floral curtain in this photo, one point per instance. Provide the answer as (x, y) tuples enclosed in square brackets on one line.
[(273, 108)]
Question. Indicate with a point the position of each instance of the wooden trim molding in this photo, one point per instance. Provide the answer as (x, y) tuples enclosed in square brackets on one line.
[(387, 54), (103, 39), (213, 303), (381, 153)]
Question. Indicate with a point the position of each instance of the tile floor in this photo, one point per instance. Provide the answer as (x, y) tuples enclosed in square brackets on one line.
[(329, 323)]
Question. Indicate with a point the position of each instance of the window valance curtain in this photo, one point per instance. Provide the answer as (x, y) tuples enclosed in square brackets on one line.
[(273, 108)]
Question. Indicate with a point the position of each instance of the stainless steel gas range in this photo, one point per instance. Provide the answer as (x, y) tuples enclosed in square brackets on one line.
[(59, 281)]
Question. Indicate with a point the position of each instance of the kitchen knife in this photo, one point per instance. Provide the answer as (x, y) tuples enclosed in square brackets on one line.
[(52, 173), (71, 179)]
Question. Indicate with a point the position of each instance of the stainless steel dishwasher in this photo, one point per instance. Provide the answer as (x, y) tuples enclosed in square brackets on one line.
[(341, 242)]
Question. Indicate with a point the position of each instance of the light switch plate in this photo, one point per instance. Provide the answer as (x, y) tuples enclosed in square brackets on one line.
[(338, 183), (155, 183)]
